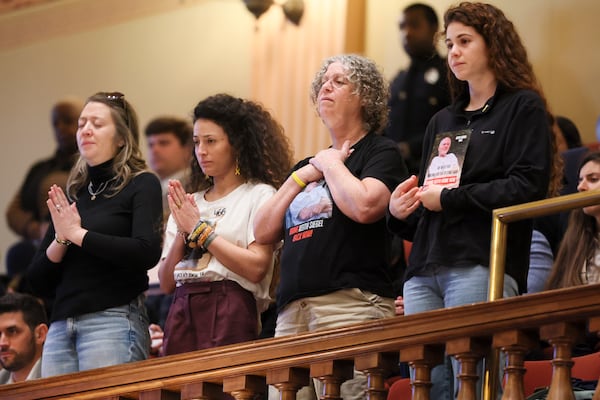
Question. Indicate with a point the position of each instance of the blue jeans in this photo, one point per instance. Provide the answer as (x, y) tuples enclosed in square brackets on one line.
[(448, 287), (113, 336)]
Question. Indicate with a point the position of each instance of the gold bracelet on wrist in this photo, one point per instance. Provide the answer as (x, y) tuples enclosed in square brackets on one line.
[(64, 242)]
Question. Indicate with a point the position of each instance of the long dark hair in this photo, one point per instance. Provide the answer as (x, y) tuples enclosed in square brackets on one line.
[(578, 245)]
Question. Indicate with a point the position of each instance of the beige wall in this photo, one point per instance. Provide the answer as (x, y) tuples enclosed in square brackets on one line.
[(165, 55)]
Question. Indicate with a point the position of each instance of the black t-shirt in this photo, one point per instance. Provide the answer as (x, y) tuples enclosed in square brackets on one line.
[(325, 251)]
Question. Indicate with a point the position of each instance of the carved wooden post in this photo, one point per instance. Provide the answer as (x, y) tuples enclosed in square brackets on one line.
[(594, 326), (422, 359), (332, 374), (158, 394), (376, 366), (562, 336), (468, 352), (515, 345), (288, 381), (201, 391), (244, 387)]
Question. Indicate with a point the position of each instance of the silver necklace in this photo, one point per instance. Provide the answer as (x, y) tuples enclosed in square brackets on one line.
[(101, 188)]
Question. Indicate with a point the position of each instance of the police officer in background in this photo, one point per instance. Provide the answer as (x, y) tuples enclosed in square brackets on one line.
[(420, 91)]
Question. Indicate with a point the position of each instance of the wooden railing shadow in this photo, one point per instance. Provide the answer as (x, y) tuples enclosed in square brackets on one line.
[(513, 325)]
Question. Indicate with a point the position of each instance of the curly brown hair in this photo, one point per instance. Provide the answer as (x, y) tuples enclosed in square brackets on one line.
[(369, 84), (262, 150), (507, 59)]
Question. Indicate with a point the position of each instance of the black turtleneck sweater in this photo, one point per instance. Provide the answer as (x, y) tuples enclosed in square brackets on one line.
[(123, 241)]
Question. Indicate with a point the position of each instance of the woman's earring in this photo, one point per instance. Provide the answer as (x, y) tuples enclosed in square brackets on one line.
[(237, 168)]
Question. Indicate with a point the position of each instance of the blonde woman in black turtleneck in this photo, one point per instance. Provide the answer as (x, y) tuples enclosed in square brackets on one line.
[(105, 234)]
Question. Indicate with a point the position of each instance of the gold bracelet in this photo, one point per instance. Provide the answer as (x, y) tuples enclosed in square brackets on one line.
[(61, 241), (297, 179)]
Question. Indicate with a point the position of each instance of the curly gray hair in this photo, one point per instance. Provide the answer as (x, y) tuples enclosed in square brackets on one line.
[(368, 84)]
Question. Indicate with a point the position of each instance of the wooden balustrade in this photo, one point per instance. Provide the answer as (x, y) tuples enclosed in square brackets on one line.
[(512, 325)]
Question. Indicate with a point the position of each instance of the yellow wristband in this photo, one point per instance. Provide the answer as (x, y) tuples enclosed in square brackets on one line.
[(297, 179)]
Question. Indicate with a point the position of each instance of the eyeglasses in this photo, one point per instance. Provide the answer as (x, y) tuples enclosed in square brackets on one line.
[(118, 98), (337, 81)]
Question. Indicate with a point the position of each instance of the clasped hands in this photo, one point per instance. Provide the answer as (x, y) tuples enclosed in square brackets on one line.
[(65, 216), (183, 207), (408, 196)]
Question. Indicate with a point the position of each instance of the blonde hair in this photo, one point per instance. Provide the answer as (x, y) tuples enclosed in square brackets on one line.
[(128, 161)]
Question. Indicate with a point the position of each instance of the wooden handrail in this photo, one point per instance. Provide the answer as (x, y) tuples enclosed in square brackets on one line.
[(501, 217), (230, 365)]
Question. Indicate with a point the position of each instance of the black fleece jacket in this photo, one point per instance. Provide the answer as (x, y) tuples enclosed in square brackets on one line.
[(507, 162)]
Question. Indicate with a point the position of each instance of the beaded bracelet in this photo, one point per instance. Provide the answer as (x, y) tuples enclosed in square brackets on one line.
[(209, 240), (195, 234), (205, 233), (64, 242)]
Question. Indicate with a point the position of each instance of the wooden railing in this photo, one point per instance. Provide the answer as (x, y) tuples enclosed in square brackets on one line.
[(468, 333), (513, 325), (501, 217)]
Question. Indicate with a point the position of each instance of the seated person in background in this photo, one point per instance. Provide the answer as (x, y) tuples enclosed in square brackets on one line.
[(578, 258), (549, 230), (169, 142), (27, 214), (23, 329)]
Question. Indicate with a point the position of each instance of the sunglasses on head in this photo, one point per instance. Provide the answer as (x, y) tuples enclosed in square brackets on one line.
[(118, 99)]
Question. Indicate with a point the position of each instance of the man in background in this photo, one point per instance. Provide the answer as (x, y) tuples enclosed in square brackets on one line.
[(23, 329), (169, 151), (169, 142), (420, 91), (27, 214), (416, 94)]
